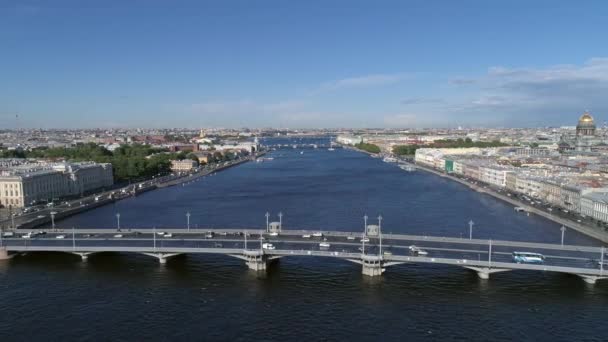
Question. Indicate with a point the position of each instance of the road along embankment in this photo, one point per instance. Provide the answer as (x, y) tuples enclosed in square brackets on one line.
[(595, 233), (61, 213)]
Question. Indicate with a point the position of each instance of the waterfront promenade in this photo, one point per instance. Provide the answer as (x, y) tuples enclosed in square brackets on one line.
[(595, 233)]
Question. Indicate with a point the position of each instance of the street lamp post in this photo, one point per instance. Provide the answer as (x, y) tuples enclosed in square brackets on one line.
[(267, 216), (280, 221), (73, 239), (602, 262), (490, 254), (53, 213), (245, 234), (261, 243), (188, 221), (364, 234), (471, 223), (563, 229), (118, 221), (154, 237), (380, 232)]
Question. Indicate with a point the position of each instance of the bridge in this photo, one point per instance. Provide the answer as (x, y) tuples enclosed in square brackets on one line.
[(373, 253)]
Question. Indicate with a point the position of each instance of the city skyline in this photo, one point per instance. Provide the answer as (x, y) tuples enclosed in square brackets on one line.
[(313, 65)]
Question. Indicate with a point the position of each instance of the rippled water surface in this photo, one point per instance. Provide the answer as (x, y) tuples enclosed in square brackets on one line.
[(55, 297)]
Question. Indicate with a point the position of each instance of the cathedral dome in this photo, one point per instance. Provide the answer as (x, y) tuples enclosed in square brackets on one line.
[(586, 122)]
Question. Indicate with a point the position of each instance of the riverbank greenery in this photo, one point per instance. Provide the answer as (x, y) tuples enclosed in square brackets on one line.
[(371, 148), (446, 143), (129, 162)]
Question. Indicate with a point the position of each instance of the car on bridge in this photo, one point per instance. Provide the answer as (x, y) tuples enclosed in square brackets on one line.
[(417, 251), (528, 258)]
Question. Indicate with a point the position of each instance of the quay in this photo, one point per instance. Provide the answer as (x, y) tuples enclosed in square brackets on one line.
[(47, 215), (589, 231)]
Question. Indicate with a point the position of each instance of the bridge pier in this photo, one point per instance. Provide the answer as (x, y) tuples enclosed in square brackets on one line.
[(484, 272), (4, 254), (83, 256), (256, 260), (372, 265), (162, 257), (591, 279)]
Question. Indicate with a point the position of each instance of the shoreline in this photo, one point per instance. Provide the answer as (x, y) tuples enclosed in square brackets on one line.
[(589, 231), (39, 221)]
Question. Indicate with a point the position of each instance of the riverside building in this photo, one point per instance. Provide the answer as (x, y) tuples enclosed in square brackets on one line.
[(27, 183)]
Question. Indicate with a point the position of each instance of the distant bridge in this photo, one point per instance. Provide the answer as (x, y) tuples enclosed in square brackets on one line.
[(482, 256)]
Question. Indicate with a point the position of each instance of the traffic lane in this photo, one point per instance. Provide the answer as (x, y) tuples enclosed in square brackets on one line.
[(455, 253)]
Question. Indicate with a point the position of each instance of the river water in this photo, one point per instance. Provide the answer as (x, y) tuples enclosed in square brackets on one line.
[(116, 297)]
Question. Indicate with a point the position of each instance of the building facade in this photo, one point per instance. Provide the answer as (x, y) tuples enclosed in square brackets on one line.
[(31, 183)]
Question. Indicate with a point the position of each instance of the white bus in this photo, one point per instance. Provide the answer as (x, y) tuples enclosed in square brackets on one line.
[(528, 258)]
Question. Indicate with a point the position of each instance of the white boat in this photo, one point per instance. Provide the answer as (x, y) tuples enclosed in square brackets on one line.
[(268, 246), (161, 233), (519, 209), (27, 236), (350, 237), (364, 239), (317, 234), (168, 235), (306, 236), (389, 160), (331, 149), (301, 152), (324, 244), (274, 234), (118, 236), (60, 237)]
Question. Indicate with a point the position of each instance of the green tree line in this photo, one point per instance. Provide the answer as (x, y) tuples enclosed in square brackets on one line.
[(446, 143), (371, 148), (129, 162)]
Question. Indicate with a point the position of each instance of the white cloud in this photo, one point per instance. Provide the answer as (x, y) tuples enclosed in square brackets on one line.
[(552, 95), (373, 80)]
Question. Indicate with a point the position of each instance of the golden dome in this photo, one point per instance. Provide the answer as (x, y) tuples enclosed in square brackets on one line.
[(586, 117), (586, 125)]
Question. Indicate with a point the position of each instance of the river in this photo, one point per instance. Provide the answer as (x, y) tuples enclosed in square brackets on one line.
[(204, 297)]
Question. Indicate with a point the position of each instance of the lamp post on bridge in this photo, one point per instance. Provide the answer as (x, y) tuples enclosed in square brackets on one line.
[(118, 221), (364, 234), (188, 220), (267, 216), (471, 223), (245, 235), (53, 213), (280, 222), (602, 262), (380, 233), (73, 239), (261, 243), (154, 237), (563, 229)]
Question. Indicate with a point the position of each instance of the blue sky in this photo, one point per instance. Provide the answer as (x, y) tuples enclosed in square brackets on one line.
[(302, 63)]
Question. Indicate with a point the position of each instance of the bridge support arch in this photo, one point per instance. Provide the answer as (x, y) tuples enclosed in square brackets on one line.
[(162, 257), (590, 279), (256, 260), (83, 256), (4, 255), (372, 265), (484, 272)]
